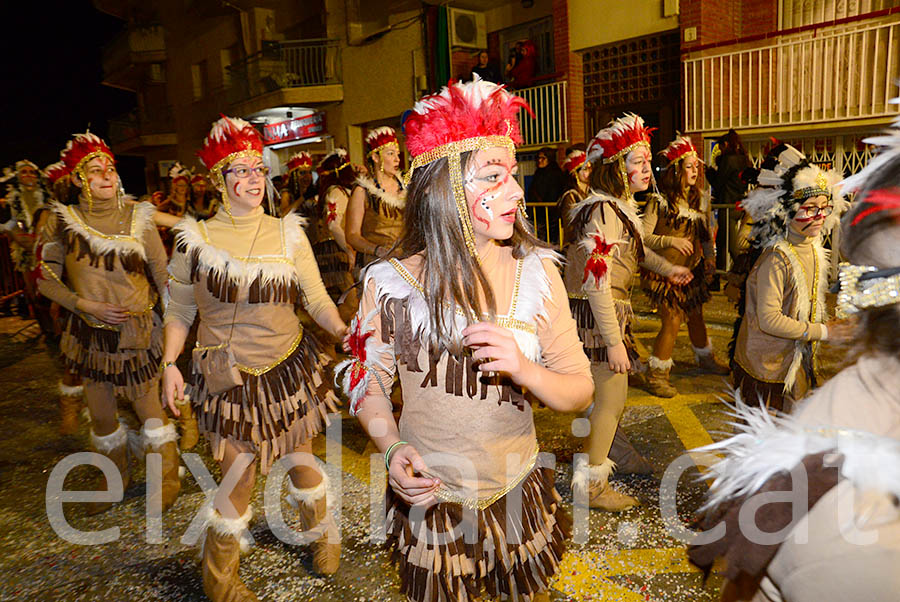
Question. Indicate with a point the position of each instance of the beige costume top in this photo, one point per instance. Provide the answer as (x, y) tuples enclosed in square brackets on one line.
[(383, 220), (105, 255), (785, 308), (600, 272), (482, 419), (244, 276)]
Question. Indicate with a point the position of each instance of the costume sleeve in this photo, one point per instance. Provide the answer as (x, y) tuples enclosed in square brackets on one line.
[(600, 244), (773, 276), (182, 306), (369, 371), (562, 350), (53, 262), (315, 298), (336, 205), (649, 219), (655, 262), (156, 259)]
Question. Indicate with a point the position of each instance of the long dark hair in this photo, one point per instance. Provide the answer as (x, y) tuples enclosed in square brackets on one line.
[(449, 272), (673, 184), (605, 177)]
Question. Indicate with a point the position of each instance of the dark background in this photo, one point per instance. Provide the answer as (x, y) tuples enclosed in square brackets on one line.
[(51, 84)]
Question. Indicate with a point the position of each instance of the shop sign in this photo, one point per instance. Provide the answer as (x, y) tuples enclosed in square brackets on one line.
[(297, 128)]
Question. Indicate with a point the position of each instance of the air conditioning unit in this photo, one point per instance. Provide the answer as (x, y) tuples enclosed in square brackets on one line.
[(467, 29)]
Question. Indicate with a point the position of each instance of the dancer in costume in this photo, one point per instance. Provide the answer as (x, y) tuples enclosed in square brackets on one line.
[(783, 314), (334, 256), (203, 204), (470, 318), (844, 544), (375, 212), (256, 380), (578, 172), (299, 193), (21, 212), (678, 225), (599, 274), (95, 261)]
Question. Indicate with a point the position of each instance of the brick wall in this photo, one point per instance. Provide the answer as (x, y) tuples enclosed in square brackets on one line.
[(715, 20), (758, 17)]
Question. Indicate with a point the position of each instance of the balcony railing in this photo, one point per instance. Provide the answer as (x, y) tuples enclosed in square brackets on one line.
[(141, 123), (286, 64), (550, 124), (826, 74)]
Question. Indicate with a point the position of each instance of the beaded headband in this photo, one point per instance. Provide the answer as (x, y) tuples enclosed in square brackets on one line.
[(865, 286)]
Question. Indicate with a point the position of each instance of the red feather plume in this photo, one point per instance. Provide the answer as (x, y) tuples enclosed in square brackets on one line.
[(596, 263), (229, 135)]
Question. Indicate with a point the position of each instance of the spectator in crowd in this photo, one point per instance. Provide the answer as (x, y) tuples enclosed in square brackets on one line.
[(728, 160), (547, 184), (522, 65), (485, 69)]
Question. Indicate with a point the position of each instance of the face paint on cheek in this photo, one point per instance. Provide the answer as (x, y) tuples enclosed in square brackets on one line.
[(488, 210), (236, 188), (485, 197)]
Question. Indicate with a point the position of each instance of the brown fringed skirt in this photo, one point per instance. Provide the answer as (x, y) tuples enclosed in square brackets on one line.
[(273, 413), (772, 395), (94, 354), (684, 299), (457, 554), (594, 347), (334, 267)]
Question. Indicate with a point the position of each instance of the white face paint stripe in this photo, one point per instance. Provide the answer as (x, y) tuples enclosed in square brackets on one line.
[(488, 210)]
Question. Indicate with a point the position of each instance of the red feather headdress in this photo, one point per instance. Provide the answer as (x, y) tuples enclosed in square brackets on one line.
[(299, 161), (197, 177), (619, 138), (229, 139), (679, 148), (81, 149), (574, 161), (55, 171), (379, 138)]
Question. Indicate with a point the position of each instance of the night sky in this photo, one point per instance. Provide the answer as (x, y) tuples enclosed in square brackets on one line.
[(52, 81)]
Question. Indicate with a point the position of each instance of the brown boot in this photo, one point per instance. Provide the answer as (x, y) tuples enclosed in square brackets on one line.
[(591, 482), (190, 434), (708, 362), (658, 377), (222, 549), (627, 459), (69, 406), (115, 447), (315, 518), (162, 440)]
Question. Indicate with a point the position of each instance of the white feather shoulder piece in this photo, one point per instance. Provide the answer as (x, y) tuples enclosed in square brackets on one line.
[(102, 243), (395, 201)]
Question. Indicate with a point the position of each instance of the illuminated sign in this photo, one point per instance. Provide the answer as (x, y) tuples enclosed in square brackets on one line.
[(297, 128)]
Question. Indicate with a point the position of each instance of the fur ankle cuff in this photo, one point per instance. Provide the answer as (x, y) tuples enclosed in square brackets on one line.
[(703, 351), (658, 364), (155, 438), (584, 474), (309, 496), (107, 443), (68, 391), (236, 527)]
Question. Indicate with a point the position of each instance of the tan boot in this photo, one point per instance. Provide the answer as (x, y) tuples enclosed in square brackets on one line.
[(162, 440), (708, 362), (190, 434), (315, 518), (658, 377), (591, 482), (627, 459), (69, 406), (115, 447), (222, 549), (541, 597)]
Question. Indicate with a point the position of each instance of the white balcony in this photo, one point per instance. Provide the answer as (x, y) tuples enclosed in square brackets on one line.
[(821, 75), (550, 125)]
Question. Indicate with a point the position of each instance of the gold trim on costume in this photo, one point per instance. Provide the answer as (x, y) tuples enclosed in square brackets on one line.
[(262, 369), (475, 503), (131, 227)]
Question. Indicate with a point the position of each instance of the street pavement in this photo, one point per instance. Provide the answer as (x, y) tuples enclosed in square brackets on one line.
[(634, 556)]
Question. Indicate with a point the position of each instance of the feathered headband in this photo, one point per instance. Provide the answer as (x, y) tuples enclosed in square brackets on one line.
[(78, 151), (25, 163), (619, 138), (230, 138), (179, 172), (299, 161), (55, 171), (197, 177), (574, 160), (338, 157), (462, 117), (679, 148), (379, 138), (786, 179)]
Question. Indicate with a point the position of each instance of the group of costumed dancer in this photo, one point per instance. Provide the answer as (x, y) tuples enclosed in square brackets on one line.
[(477, 319)]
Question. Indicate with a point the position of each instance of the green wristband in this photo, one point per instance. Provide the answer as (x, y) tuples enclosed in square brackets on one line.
[(387, 454)]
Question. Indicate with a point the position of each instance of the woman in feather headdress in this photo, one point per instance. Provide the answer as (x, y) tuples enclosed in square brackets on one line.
[(839, 538), (472, 317), (257, 377)]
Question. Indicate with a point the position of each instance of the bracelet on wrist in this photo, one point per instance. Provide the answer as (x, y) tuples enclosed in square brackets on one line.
[(390, 450), (164, 364)]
